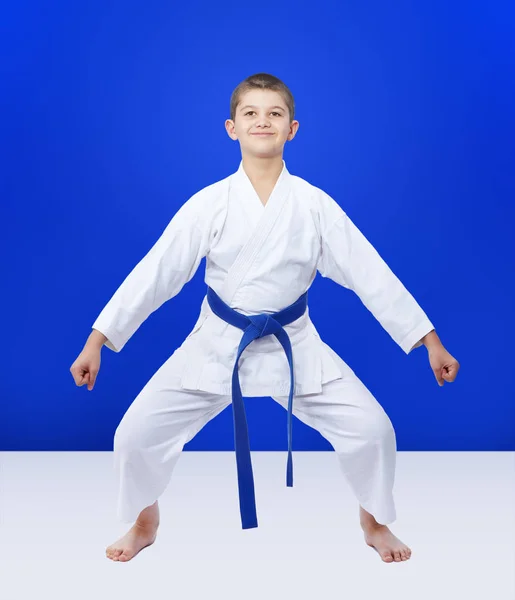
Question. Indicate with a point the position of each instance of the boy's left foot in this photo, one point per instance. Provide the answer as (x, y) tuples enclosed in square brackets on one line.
[(389, 547)]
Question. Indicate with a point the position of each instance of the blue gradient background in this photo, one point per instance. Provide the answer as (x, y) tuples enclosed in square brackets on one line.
[(113, 116)]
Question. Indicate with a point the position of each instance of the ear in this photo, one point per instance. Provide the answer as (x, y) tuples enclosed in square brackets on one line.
[(294, 126), (230, 128)]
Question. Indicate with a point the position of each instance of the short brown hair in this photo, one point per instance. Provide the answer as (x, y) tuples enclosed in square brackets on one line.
[(262, 81)]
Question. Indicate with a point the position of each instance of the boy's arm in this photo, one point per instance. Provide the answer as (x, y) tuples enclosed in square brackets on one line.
[(350, 260), (159, 276), (430, 340)]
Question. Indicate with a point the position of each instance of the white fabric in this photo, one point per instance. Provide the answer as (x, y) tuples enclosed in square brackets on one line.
[(259, 259), (162, 419)]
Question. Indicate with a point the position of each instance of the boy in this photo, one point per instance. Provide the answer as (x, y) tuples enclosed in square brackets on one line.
[(264, 234)]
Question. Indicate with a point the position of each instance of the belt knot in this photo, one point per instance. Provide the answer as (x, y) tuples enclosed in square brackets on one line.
[(264, 324)]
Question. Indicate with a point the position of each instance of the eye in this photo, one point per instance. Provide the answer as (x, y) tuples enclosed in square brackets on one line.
[(274, 113)]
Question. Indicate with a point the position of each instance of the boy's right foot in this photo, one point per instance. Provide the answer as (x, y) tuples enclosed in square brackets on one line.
[(137, 538), (142, 534)]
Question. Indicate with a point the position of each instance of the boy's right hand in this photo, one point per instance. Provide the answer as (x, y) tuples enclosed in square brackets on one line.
[(86, 366)]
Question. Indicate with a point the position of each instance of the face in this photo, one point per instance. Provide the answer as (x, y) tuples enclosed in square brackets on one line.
[(262, 112)]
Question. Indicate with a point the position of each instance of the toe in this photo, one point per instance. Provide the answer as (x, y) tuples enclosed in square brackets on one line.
[(387, 557), (397, 555), (404, 555)]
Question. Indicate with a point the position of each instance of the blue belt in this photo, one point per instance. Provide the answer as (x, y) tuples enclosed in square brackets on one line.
[(255, 326)]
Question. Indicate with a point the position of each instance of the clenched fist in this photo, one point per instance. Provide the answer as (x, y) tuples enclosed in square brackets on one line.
[(85, 368)]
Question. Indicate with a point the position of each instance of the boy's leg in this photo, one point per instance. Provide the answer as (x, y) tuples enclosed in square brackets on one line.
[(150, 438), (362, 435)]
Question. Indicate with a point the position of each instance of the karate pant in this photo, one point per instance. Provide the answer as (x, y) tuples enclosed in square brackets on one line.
[(163, 418)]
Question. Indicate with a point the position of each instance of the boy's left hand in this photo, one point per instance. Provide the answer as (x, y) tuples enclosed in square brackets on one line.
[(445, 367)]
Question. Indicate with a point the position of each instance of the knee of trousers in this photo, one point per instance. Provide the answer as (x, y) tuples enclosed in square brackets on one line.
[(378, 427), (136, 437), (131, 437)]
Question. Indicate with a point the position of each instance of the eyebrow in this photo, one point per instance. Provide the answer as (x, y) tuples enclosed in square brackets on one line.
[(254, 106)]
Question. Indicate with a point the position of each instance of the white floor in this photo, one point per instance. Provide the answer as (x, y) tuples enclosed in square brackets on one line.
[(456, 510)]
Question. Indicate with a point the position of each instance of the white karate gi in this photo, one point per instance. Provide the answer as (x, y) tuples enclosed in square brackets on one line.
[(259, 259)]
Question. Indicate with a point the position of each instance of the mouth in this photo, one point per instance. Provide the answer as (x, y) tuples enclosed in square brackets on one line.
[(263, 134)]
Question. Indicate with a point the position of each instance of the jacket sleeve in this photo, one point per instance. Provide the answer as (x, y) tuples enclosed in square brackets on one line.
[(350, 260), (159, 276)]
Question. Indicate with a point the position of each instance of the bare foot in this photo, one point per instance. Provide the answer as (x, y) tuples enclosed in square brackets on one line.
[(142, 534), (137, 538), (389, 547)]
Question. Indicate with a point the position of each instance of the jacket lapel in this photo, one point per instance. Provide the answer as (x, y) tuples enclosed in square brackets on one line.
[(260, 220)]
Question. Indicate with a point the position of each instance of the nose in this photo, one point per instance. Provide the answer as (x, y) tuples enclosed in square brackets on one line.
[(263, 122)]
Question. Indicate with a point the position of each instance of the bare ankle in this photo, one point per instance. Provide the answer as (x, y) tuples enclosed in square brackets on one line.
[(149, 516), (367, 520)]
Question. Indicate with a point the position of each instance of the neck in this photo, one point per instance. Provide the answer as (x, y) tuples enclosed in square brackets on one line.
[(263, 170)]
